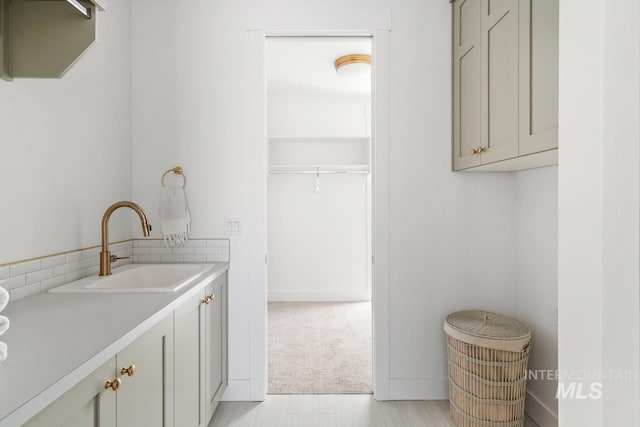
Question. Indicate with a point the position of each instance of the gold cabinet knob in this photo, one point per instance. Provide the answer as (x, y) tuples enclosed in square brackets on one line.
[(208, 299), (130, 371), (113, 384), (478, 150)]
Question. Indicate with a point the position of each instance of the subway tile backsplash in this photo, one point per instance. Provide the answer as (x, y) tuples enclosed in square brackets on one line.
[(23, 279), (204, 250)]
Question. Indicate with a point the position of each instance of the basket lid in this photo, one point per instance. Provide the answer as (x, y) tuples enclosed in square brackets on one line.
[(487, 326)]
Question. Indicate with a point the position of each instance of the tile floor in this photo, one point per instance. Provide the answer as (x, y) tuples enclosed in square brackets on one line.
[(357, 410)]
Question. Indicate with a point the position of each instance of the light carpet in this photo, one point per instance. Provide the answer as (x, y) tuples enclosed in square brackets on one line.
[(320, 348)]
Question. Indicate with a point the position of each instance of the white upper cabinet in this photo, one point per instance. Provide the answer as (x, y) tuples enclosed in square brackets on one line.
[(505, 84)]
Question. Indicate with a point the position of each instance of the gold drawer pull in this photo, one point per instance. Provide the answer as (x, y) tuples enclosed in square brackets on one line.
[(113, 384), (130, 371)]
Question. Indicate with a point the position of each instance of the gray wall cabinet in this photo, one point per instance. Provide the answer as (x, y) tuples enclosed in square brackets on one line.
[(505, 84), (539, 23), (44, 39)]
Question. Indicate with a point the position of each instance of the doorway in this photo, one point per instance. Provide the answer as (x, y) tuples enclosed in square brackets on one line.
[(319, 334), (256, 388)]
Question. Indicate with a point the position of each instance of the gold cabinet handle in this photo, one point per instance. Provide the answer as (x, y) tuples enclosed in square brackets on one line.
[(130, 371), (113, 384), (474, 151), (211, 297), (482, 149), (205, 301)]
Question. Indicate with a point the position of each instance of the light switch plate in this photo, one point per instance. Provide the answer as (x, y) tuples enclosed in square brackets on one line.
[(233, 226)]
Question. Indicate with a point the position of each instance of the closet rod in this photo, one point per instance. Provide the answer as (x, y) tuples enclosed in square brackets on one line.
[(316, 172)]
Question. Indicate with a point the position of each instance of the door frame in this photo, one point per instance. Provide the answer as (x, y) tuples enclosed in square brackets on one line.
[(379, 203)]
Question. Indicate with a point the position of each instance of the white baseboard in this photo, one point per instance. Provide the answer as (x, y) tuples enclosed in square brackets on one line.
[(539, 412), (237, 391), (419, 389), (317, 295)]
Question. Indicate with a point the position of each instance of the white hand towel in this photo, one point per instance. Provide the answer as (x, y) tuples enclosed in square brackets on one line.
[(4, 298), (4, 324), (4, 352), (175, 220)]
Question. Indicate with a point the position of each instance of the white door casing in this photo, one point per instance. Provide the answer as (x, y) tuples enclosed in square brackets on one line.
[(380, 202)]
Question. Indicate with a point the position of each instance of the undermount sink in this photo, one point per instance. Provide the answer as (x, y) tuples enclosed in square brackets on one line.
[(151, 278)]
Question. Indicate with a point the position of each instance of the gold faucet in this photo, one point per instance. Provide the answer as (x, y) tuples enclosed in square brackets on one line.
[(105, 256)]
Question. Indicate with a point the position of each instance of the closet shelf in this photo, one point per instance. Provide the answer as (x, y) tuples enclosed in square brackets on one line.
[(317, 139), (320, 169)]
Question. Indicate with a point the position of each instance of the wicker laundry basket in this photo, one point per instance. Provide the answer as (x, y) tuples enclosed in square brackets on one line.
[(488, 356)]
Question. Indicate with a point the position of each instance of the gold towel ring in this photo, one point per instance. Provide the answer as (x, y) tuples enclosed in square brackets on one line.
[(178, 171)]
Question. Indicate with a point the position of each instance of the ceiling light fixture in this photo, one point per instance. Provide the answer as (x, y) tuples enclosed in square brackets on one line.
[(356, 64)]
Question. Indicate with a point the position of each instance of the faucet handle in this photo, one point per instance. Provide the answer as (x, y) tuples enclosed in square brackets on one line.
[(114, 258)]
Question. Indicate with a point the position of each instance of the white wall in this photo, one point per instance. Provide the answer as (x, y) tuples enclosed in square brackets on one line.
[(599, 186), (330, 115), (318, 241), (66, 148), (155, 111), (452, 235), (192, 61), (537, 282)]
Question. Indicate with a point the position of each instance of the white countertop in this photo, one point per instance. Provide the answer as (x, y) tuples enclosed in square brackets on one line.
[(56, 340)]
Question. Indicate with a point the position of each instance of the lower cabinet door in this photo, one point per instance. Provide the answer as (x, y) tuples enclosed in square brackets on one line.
[(216, 343), (189, 362), (145, 397), (89, 404)]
